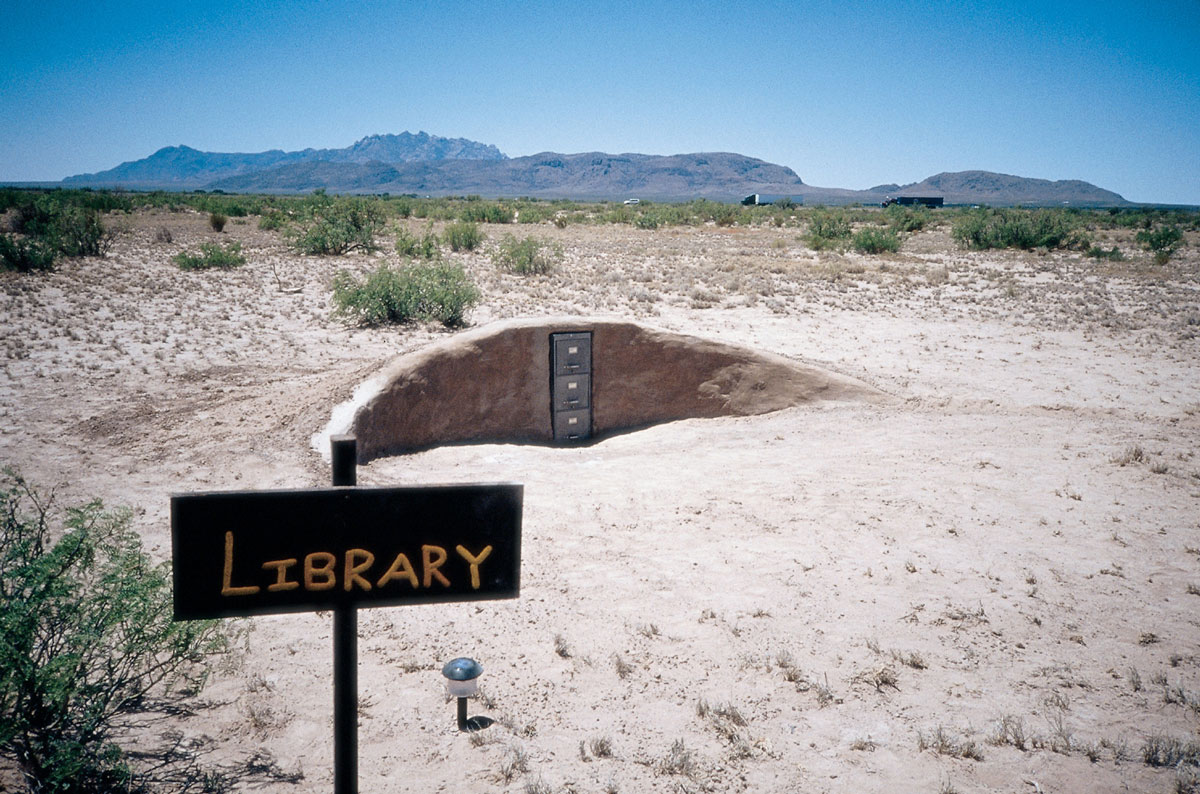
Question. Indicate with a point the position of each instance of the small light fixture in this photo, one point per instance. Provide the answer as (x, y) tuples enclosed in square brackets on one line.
[(462, 676)]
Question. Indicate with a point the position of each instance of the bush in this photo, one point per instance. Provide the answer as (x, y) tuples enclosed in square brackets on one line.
[(1017, 228), (828, 230), (433, 292), (647, 220), (907, 219), (463, 236), (86, 636), (65, 229), (726, 216), (338, 227), (409, 245), (79, 232), (211, 255), (272, 220), (35, 217), (1162, 241), (24, 255), (217, 221), (1097, 252), (530, 256), (479, 212), (873, 240)]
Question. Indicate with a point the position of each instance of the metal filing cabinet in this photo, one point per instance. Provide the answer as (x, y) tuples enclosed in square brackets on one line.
[(571, 385)]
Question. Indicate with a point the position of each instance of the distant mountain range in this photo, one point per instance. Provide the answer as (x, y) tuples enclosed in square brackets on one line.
[(182, 167), (431, 165)]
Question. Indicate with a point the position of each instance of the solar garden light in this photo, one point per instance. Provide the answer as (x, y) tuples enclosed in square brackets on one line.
[(462, 676)]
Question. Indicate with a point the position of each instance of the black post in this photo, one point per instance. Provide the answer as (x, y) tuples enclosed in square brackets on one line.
[(345, 649)]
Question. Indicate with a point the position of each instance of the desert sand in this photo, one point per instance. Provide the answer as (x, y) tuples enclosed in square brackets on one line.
[(989, 582)]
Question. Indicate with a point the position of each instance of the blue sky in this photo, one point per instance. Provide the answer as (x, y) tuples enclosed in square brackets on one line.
[(848, 94)]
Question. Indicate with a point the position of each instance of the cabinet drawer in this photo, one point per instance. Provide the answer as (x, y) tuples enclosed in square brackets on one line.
[(572, 424), (572, 353), (572, 392)]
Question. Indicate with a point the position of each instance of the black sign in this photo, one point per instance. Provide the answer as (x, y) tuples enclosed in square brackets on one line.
[(265, 552)]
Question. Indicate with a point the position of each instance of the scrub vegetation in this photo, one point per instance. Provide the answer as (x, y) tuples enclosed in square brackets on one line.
[(87, 642), (529, 256), (1162, 241), (46, 226), (432, 292), (1015, 228), (211, 255), (337, 226)]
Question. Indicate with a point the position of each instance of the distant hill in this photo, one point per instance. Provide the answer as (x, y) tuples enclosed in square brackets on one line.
[(592, 175), (432, 165), (985, 187), (182, 167)]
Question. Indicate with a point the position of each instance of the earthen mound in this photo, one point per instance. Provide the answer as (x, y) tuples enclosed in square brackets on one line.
[(494, 384)]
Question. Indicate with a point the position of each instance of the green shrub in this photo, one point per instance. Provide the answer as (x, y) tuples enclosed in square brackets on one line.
[(66, 229), (530, 256), (425, 247), (79, 232), (432, 292), (1162, 241), (480, 212), (24, 255), (647, 220), (906, 219), (873, 240), (726, 216), (617, 214), (211, 255), (36, 217), (828, 230), (338, 227), (86, 636), (984, 229), (217, 221), (462, 236), (1097, 252), (272, 220)]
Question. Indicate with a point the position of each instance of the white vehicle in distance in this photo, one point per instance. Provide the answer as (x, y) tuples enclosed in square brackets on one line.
[(633, 201)]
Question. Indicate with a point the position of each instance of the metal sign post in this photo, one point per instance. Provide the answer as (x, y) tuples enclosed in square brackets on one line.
[(344, 462), (241, 553)]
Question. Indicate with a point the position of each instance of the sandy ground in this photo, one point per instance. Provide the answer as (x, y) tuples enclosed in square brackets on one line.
[(980, 587)]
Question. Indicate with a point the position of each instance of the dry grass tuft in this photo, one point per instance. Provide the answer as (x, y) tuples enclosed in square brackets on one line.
[(1010, 730), (879, 678), (516, 761), (1132, 454), (596, 747), (679, 760), (1170, 751), (943, 742)]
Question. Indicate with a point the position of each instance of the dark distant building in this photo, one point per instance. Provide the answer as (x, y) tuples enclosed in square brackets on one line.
[(761, 199), (914, 201)]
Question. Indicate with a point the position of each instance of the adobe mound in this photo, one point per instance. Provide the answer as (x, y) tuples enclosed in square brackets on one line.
[(492, 384)]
